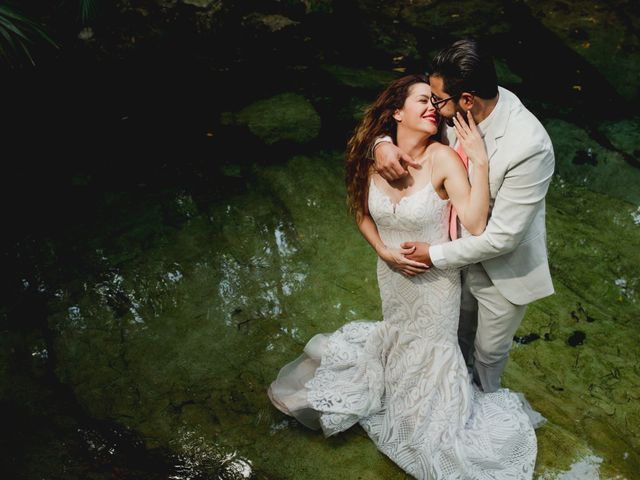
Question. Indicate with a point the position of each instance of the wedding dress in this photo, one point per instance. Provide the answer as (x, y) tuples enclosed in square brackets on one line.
[(404, 378)]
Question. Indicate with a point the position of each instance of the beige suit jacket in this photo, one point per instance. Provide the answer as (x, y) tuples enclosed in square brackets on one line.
[(513, 248)]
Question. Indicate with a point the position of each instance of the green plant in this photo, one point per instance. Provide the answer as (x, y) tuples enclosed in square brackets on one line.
[(17, 32), (88, 9)]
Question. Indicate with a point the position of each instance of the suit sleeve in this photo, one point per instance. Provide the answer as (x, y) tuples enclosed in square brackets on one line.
[(518, 200)]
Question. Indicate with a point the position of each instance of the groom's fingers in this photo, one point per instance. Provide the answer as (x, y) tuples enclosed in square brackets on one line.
[(463, 124), (460, 133), (396, 169), (409, 161), (470, 120)]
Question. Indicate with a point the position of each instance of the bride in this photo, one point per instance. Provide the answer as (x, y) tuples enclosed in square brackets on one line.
[(404, 378)]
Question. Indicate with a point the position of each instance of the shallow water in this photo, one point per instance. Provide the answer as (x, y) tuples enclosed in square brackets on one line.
[(179, 257)]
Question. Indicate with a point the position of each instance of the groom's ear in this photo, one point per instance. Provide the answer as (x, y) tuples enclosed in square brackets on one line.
[(467, 101)]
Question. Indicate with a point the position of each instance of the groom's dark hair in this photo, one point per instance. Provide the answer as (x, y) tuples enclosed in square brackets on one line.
[(466, 66)]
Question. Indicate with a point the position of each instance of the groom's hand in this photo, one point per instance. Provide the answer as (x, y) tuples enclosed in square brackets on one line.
[(391, 162), (420, 254)]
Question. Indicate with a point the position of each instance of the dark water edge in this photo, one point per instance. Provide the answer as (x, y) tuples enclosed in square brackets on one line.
[(100, 143)]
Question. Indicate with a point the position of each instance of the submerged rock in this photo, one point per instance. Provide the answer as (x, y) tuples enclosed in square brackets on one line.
[(288, 116)]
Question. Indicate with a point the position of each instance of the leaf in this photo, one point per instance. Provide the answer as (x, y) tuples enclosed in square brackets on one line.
[(17, 32)]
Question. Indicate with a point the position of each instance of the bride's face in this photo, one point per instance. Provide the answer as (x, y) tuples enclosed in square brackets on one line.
[(418, 113)]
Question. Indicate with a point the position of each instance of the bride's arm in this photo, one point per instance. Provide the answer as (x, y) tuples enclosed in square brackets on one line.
[(393, 256), (470, 201)]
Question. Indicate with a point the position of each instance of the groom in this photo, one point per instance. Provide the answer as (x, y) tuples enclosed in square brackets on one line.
[(506, 267)]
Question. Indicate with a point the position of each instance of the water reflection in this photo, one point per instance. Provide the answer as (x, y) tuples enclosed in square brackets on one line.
[(75, 318), (284, 248), (202, 459), (270, 272), (587, 468)]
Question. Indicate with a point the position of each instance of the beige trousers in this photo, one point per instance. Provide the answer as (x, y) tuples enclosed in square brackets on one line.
[(488, 322)]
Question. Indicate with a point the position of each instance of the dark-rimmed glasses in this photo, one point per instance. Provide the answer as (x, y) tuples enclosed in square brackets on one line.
[(440, 102)]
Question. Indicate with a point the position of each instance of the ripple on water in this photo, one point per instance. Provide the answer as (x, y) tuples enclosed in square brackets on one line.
[(200, 458)]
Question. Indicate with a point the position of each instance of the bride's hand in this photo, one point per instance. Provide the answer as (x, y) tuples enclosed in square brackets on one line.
[(470, 138), (395, 258)]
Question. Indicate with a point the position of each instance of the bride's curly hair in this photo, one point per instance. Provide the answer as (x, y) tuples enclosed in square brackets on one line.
[(377, 121)]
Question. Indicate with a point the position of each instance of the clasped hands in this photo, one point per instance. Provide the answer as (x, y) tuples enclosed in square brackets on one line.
[(411, 259)]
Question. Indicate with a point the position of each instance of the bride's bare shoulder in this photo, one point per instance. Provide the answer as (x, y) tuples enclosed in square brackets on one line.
[(444, 157), (442, 151)]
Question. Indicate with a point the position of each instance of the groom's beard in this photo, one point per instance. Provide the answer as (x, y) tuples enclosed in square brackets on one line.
[(449, 120)]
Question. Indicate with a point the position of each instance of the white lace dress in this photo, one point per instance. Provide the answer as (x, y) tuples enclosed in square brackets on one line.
[(404, 379)]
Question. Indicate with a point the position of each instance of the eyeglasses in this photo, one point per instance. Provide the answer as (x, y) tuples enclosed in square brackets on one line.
[(440, 102)]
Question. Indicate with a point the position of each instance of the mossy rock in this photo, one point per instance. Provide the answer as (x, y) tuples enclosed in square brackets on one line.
[(365, 78), (285, 117), (271, 22)]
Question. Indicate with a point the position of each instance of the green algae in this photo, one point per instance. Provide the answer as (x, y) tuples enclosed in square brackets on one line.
[(588, 392), (623, 134), (284, 117), (218, 305), (582, 160)]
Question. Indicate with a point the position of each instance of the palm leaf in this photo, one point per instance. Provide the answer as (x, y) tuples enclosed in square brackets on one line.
[(9, 25), (88, 10), (16, 31)]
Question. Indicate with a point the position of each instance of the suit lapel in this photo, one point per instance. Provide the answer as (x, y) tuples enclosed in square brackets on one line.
[(499, 124)]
